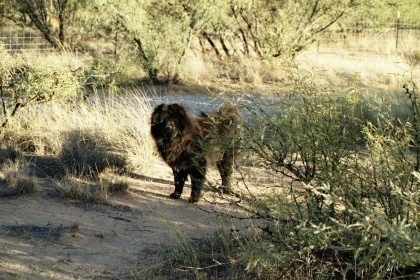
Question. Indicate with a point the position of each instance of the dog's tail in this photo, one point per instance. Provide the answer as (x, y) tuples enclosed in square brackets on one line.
[(229, 108)]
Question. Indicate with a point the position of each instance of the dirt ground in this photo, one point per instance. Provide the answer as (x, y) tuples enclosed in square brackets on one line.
[(43, 236)]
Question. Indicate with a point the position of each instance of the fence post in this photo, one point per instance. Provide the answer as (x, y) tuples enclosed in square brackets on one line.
[(398, 29)]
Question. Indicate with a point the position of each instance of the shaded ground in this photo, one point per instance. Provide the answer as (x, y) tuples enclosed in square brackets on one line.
[(46, 237)]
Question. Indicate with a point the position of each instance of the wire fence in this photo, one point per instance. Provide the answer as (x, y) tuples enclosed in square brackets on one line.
[(17, 40), (397, 38)]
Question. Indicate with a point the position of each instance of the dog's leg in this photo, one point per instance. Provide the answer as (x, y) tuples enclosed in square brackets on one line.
[(198, 176), (225, 167), (179, 178)]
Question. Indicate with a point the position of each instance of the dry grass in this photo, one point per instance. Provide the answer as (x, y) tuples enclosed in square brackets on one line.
[(212, 257), (117, 128), (13, 179), (89, 191), (86, 138), (344, 69), (366, 60), (89, 153), (372, 41)]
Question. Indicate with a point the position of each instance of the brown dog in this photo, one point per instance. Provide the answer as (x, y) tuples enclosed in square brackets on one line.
[(186, 144)]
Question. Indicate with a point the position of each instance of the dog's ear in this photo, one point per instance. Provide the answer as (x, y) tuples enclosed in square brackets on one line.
[(158, 112), (181, 116)]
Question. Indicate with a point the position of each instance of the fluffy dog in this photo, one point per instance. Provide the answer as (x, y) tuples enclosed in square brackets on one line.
[(187, 143)]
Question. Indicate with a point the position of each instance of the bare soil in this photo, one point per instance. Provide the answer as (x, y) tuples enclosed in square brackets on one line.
[(43, 236)]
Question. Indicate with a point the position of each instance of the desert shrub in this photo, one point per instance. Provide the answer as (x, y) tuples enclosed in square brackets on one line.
[(351, 210), (393, 104), (101, 73), (25, 80), (307, 132)]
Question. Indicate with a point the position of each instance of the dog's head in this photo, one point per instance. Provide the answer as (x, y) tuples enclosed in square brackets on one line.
[(169, 121)]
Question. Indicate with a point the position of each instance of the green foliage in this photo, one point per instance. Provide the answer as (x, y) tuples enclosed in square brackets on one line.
[(273, 28), (25, 82), (352, 209), (101, 73), (176, 31), (379, 13), (160, 34), (306, 133)]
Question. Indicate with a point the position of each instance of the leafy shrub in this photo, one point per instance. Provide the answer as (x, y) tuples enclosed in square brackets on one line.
[(27, 80), (353, 204), (100, 73), (306, 133)]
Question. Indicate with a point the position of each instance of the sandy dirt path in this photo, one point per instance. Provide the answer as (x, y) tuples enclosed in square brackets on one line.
[(46, 237)]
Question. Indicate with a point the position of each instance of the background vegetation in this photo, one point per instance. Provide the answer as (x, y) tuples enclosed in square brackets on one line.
[(347, 156), (162, 36)]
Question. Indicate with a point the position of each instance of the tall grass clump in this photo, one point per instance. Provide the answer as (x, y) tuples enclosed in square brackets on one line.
[(88, 153), (350, 206), (96, 133), (14, 180), (88, 191), (87, 138)]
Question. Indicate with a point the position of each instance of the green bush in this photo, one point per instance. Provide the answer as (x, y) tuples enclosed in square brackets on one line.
[(352, 207), (307, 132), (26, 80), (101, 73)]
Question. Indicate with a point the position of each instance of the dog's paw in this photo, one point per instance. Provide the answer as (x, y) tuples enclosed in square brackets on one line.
[(224, 190), (193, 199), (175, 195)]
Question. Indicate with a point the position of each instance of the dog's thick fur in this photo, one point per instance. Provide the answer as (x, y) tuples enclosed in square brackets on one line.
[(186, 144)]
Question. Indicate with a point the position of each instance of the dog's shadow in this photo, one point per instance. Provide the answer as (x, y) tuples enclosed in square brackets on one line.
[(148, 178), (209, 186)]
